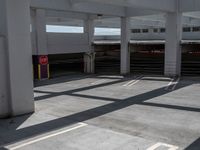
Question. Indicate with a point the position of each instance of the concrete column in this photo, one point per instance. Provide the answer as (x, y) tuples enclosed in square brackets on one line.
[(41, 70), (18, 92), (89, 61), (173, 44), (89, 57), (41, 32), (125, 38), (4, 95)]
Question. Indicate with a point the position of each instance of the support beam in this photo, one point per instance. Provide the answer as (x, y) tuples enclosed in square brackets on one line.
[(66, 14), (173, 44), (83, 7), (159, 5), (18, 62), (130, 12), (89, 57), (125, 38), (189, 5), (40, 58)]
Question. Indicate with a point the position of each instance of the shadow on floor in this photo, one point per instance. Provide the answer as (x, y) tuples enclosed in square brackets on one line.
[(3, 148), (55, 94), (14, 135), (62, 79), (194, 146)]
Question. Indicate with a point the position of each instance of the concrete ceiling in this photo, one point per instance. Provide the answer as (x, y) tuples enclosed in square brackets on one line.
[(149, 13)]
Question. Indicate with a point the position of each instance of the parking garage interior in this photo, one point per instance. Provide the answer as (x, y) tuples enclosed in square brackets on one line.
[(98, 75), (64, 64)]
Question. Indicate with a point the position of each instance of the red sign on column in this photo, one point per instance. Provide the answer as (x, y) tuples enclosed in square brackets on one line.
[(43, 60)]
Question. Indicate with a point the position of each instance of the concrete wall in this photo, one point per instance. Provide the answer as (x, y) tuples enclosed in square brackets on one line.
[(64, 43), (3, 85)]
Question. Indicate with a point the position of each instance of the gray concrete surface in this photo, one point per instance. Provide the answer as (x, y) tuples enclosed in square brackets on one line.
[(119, 113), (16, 70)]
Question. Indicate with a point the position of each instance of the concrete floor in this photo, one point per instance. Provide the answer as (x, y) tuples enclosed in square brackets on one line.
[(99, 112)]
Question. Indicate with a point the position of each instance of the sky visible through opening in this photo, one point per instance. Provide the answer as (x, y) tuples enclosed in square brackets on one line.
[(73, 29)]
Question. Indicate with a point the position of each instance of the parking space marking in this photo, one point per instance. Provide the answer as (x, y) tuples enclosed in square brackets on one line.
[(172, 84), (158, 78), (80, 125), (99, 82), (175, 83), (74, 79), (133, 82), (157, 145)]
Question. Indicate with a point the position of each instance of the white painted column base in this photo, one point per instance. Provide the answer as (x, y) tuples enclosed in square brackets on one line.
[(171, 69), (89, 62)]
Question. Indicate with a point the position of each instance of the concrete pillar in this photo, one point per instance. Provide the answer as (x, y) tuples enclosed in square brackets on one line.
[(89, 57), (125, 38), (41, 32), (173, 44), (18, 80), (41, 70), (4, 80), (89, 61)]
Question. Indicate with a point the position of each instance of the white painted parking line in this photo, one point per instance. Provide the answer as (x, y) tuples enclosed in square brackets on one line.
[(157, 78), (128, 83), (175, 83), (80, 125), (172, 84), (133, 82), (80, 77), (99, 81), (111, 76), (157, 145)]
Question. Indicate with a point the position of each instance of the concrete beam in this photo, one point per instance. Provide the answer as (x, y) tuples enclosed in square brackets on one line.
[(92, 8), (119, 8), (189, 5), (159, 5), (64, 14), (130, 12)]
